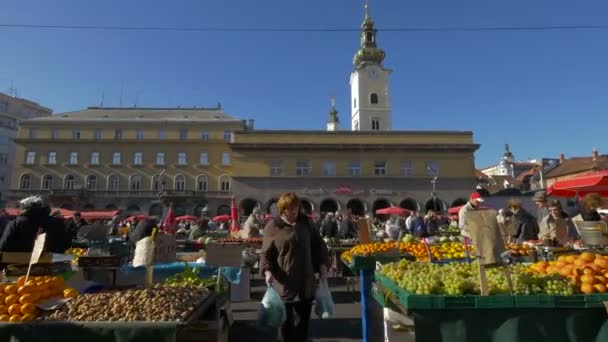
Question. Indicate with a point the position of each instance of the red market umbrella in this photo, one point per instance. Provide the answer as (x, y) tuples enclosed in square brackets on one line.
[(234, 215), (137, 218), (221, 218), (186, 218), (392, 211), (99, 215), (596, 182)]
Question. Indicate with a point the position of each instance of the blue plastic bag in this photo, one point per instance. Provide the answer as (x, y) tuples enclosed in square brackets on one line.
[(272, 312), (324, 304)]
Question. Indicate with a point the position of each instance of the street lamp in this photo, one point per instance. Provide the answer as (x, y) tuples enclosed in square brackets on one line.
[(435, 174)]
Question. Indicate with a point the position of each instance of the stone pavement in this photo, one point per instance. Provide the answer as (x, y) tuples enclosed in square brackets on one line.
[(345, 326)]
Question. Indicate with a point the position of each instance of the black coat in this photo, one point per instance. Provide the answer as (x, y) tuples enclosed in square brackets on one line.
[(144, 229), (58, 240), (329, 228), (20, 234)]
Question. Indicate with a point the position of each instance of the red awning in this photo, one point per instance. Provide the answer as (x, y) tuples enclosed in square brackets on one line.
[(221, 218), (99, 215), (596, 182), (392, 211), (187, 218)]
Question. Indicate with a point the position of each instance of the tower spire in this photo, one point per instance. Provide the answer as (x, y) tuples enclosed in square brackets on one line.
[(368, 53), (333, 121)]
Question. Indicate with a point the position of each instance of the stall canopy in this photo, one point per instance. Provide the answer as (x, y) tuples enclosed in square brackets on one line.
[(99, 215), (187, 218), (137, 218), (221, 218), (580, 186), (392, 211)]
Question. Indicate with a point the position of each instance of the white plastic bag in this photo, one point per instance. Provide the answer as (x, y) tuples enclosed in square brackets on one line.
[(272, 312), (324, 304)]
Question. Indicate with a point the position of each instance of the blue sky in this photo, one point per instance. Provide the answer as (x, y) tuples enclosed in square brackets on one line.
[(543, 92)]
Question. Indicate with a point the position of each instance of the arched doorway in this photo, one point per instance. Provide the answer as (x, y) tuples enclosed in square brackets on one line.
[(133, 208), (88, 206), (179, 210), (223, 210), (329, 205), (434, 204), (156, 210), (356, 206), (458, 202), (247, 205), (198, 210), (271, 207), (409, 204), (380, 203), (307, 206), (111, 207)]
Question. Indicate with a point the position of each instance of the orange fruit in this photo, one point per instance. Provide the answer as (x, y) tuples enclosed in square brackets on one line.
[(28, 309), (588, 271), (4, 318), (15, 319), (587, 288), (600, 279), (11, 289), (14, 309), (600, 288), (3, 309), (29, 317), (26, 289), (579, 262), (587, 279), (21, 281), (70, 293), (11, 299), (28, 298), (587, 256), (31, 282), (570, 259)]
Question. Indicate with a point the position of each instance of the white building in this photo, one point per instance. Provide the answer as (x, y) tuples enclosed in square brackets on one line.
[(369, 82), (13, 109)]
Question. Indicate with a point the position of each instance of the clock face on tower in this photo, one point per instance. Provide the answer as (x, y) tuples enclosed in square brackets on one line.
[(372, 74)]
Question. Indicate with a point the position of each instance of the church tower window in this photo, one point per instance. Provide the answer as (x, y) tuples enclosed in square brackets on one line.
[(373, 98)]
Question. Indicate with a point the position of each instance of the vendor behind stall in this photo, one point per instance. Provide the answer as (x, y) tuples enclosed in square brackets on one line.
[(253, 225), (527, 227), (20, 234), (590, 204), (556, 227), (144, 229)]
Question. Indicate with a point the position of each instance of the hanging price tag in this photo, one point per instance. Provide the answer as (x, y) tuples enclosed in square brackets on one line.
[(36, 253)]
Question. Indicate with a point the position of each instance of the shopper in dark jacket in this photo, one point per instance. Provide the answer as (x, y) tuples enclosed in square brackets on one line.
[(73, 225), (144, 229), (58, 240), (20, 234), (527, 226), (329, 227)]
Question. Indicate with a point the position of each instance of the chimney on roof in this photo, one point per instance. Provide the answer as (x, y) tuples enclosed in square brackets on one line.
[(562, 158), (250, 126), (594, 154)]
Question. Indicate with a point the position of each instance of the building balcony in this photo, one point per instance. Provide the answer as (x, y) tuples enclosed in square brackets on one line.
[(121, 193)]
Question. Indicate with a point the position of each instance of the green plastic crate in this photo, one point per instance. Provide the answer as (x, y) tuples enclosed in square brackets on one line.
[(576, 301), (596, 300), (494, 302), (368, 263), (534, 301)]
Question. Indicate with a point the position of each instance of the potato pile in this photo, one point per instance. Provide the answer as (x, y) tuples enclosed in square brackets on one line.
[(160, 303)]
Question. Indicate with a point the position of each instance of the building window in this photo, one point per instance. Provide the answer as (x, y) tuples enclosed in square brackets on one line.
[(139, 135), (156, 184), (276, 167), (33, 133), (354, 168), (432, 168), (205, 136), (116, 158), (25, 182), (135, 183), (406, 168), (204, 158), (69, 182), (73, 158), (138, 158), (94, 158), (30, 158), (97, 135), (329, 169), (224, 183), (52, 158), (162, 135), (380, 168), (369, 37), (356, 125), (113, 183), (201, 183), (226, 158), (160, 158), (183, 134), (227, 136), (91, 182), (355, 102), (375, 124), (303, 167), (118, 134), (4, 106), (54, 134), (76, 134), (373, 98), (182, 159), (3, 158), (179, 184), (47, 182)]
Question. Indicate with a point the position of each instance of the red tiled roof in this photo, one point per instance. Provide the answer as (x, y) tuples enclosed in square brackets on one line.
[(578, 165)]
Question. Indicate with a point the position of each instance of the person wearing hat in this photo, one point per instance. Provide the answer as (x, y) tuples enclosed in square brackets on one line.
[(540, 199), (253, 225), (473, 204), (20, 234)]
